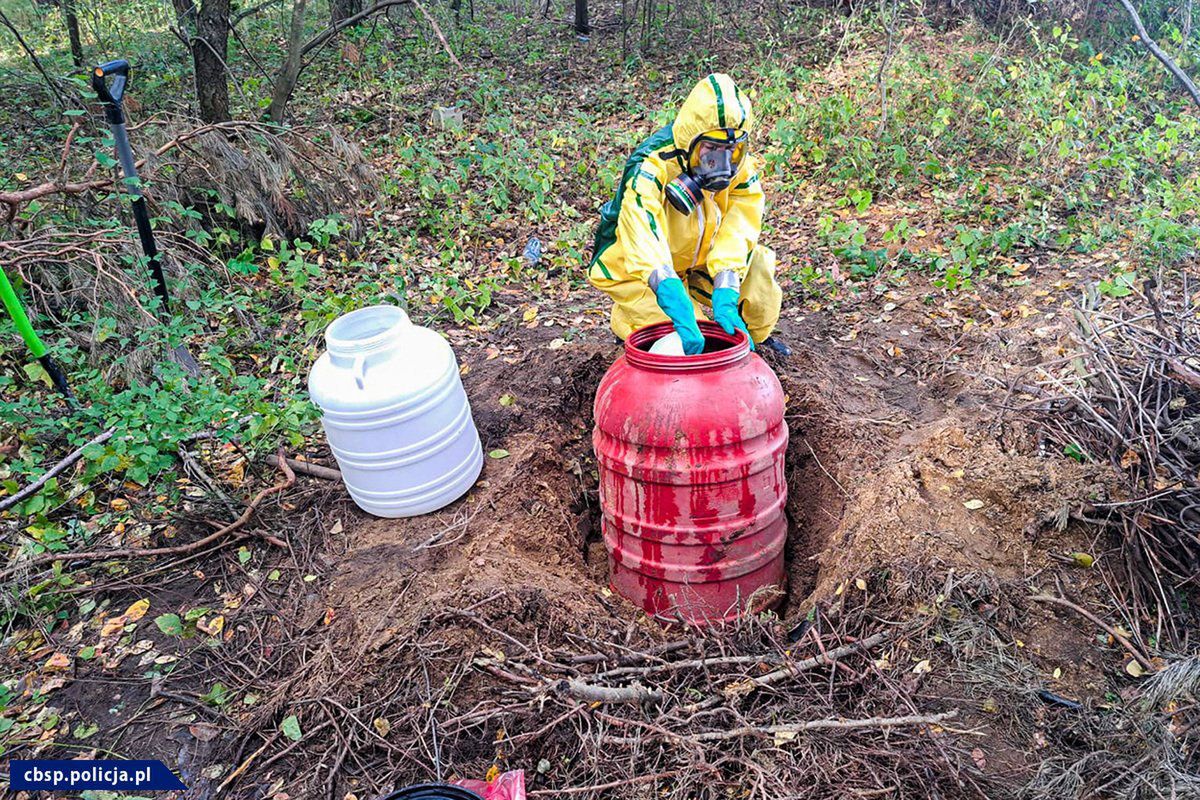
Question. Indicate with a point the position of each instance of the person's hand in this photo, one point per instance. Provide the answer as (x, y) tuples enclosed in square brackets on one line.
[(725, 312), (674, 301)]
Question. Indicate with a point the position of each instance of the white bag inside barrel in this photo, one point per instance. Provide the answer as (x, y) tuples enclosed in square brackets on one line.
[(395, 413)]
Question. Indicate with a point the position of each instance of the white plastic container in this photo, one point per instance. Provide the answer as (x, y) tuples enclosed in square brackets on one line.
[(395, 413), (669, 345)]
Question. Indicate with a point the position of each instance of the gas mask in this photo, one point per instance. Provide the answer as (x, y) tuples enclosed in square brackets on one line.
[(714, 168), (713, 159)]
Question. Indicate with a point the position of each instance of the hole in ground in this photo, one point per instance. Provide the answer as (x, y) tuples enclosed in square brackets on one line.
[(816, 500), (534, 518)]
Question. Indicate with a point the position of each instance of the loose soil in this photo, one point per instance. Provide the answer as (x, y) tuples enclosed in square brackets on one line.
[(889, 460)]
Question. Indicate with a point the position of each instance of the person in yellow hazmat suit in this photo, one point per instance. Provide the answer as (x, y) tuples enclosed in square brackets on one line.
[(680, 239)]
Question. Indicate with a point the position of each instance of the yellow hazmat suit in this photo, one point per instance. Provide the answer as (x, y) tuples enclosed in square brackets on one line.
[(640, 231)]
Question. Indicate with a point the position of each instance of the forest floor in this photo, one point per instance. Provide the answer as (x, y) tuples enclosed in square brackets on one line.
[(320, 652), (917, 500)]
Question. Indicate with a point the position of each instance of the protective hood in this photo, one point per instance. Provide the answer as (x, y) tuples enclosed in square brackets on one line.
[(715, 103)]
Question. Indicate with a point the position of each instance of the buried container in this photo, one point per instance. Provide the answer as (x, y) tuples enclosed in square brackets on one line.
[(692, 486), (395, 413)]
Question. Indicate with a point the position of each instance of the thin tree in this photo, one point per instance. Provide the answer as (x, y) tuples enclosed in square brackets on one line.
[(285, 81), (581, 18), (1158, 52), (72, 20), (53, 86)]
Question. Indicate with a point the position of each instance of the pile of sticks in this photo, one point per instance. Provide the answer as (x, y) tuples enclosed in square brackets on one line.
[(598, 708), (1132, 397)]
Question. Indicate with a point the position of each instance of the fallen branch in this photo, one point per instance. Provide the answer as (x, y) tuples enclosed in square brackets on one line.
[(600, 787), (245, 765), (327, 34), (14, 200), (1185, 373), (1158, 52), (824, 725), (1128, 645), (591, 693), (782, 674), (695, 663), (305, 468), (70, 460), (788, 730), (182, 549), (438, 31)]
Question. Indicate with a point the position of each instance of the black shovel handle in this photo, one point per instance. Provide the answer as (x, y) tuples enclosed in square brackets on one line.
[(119, 71), (111, 93)]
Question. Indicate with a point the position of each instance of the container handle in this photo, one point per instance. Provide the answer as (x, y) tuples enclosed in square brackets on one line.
[(360, 370)]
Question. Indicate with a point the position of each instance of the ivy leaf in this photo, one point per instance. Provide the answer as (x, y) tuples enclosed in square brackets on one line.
[(170, 624), (218, 695), (83, 730)]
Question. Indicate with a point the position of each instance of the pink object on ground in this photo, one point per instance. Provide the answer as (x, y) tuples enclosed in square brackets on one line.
[(507, 786)]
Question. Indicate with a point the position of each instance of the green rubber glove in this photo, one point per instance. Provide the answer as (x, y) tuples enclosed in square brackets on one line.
[(674, 301), (725, 312)]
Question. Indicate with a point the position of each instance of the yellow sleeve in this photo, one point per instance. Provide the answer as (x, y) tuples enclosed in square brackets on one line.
[(641, 225), (738, 234)]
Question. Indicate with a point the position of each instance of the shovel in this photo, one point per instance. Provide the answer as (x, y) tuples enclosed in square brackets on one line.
[(111, 95), (21, 320)]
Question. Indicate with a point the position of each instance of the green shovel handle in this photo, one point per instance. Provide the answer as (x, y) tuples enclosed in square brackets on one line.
[(19, 318)]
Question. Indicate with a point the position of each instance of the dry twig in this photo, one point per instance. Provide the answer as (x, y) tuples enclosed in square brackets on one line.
[(67, 462)]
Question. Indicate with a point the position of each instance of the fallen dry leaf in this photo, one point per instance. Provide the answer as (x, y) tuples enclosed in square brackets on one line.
[(59, 662), (137, 610)]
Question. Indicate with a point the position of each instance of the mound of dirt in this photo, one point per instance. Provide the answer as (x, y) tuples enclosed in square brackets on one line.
[(448, 626), (949, 492), (526, 525), (872, 482)]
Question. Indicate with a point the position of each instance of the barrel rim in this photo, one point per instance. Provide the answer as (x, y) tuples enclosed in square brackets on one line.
[(341, 342), (644, 337), (442, 791)]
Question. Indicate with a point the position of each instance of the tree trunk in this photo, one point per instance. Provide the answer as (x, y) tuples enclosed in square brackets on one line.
[(285, 82), (343, 9), (581, 18), (207, 32), (210, 47), (72, 19)]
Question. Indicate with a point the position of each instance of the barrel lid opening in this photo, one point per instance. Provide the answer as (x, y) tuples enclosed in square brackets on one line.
[(365, 330), (720, 348)]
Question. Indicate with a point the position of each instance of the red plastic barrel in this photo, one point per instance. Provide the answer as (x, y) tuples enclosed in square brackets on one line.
[(692, 486)]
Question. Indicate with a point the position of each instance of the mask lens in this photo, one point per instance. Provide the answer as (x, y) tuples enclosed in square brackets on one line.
[(715, 159), (734, 144)]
